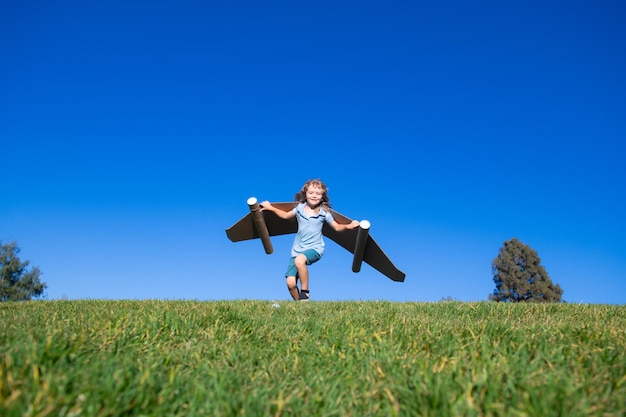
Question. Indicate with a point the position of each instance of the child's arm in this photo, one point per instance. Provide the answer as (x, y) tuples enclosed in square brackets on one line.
[(266, 205), (341, 227)]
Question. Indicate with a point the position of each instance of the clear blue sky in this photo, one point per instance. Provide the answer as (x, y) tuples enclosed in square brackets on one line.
[(133, 132)]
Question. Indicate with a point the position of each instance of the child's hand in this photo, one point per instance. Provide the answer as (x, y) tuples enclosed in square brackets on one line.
[(266, 205), (354, 224)]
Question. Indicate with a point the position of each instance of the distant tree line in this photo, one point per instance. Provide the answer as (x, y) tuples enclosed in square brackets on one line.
[(517, 273)]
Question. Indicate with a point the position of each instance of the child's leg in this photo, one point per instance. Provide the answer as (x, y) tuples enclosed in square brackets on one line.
[(292, 279), (303, 271), (292, 285)]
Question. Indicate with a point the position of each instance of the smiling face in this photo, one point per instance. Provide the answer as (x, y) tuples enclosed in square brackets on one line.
[(314, 195)]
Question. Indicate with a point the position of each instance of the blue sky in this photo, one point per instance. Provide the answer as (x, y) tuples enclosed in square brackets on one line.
[(133, 132)]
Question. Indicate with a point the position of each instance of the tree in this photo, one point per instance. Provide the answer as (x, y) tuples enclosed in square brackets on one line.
[(520, 277), (16, 282)]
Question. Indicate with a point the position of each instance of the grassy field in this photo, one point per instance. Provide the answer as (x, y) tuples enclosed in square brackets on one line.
[(259, 358)]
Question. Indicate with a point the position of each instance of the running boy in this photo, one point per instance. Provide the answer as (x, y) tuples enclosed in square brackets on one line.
[(311, 213)]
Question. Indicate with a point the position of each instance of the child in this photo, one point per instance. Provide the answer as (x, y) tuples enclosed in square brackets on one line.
[(308, 246)]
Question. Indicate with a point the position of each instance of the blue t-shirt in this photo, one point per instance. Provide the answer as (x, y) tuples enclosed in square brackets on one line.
[(309, 234)]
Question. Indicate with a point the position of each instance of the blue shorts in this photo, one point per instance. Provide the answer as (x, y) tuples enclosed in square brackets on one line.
[(311, 257)]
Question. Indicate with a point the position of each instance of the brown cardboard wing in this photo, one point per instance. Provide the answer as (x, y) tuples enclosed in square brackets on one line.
[(373, 255), (244, 229)]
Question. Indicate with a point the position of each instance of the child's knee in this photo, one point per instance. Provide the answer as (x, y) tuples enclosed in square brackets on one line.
[(300, 261), (291, 282)]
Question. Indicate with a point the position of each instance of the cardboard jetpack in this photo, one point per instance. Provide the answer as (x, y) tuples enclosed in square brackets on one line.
[(261, 224)]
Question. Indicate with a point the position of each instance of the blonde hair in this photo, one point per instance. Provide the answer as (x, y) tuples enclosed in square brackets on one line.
[(301, 195)]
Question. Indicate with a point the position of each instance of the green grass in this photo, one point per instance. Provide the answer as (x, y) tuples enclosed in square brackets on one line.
[(249, 358)]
